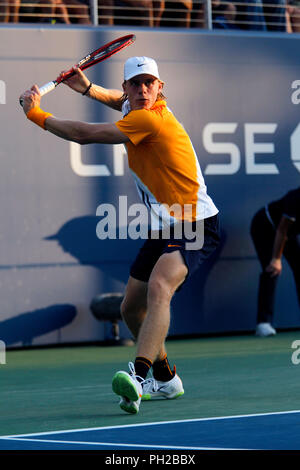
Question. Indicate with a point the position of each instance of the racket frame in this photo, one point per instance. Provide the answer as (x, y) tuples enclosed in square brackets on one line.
[(93, 58)]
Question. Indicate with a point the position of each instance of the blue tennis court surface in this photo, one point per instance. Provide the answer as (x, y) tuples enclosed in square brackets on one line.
[(268, 431)]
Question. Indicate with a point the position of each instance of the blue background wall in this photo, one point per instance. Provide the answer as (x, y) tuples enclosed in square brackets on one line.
[(234, 95)]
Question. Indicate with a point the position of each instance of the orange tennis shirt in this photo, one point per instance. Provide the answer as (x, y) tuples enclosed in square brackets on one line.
[(165, 166)]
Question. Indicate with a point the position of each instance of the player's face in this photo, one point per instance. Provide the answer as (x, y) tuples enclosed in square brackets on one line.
[(142, 91)]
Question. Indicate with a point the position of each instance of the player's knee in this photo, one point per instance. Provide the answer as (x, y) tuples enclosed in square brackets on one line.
[(159, 288), (130, 310), (124, 309)]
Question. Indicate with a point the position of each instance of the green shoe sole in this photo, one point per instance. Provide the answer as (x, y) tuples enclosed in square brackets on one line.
[(123, 386)]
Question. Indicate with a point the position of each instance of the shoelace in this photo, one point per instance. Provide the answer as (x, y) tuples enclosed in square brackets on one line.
[(132, 372), (152, 382)]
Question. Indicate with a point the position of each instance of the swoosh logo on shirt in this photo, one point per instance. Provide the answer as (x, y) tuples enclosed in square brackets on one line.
[(175, 245), (140, 65)]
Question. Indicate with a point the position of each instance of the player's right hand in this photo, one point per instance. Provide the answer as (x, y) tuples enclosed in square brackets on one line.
[(274, 267), (31, 98), (78, 82)]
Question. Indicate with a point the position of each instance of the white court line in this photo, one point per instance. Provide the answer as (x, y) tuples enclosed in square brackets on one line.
[(156, 423)]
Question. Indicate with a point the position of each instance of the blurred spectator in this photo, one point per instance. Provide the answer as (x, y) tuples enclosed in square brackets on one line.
[(250, 15), (293, 16), (78, 11), (43, 11), (274, 13), (198, 19), (177, 13), (262, 15), (223, 14), (53, 11), (9, 11), (106, 12), (138, 12), (158, 9)]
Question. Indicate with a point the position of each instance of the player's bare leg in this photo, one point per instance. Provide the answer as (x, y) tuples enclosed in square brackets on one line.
[(134, 308), (146, 310), (167, 275)]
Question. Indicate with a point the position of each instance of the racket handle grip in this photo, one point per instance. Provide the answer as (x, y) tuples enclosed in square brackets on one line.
[(48, 87)]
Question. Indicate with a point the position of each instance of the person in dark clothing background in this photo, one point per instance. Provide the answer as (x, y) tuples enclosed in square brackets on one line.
[(274, 231)]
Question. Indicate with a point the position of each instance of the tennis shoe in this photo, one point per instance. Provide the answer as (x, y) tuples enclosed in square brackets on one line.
[(265, 329), (129, 387), (155, 388)]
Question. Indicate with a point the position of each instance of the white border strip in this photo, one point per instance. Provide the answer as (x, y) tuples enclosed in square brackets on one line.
[(114, 444)]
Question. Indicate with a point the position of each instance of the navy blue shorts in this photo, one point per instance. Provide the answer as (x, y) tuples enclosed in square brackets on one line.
[(153, 248)]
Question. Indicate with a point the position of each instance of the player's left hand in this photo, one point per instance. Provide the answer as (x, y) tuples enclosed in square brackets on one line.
[(31, 98)]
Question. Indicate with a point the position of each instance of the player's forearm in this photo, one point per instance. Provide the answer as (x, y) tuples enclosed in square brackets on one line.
[(79, 132), (85, 133), (67, 130), (76, 131), (279, 244), (280, 238), (109, 97)]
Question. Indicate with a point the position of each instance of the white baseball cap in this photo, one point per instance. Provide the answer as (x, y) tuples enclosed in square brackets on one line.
[(139, 65)]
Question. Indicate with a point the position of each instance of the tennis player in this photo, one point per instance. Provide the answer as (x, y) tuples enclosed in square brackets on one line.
[(170, 182)]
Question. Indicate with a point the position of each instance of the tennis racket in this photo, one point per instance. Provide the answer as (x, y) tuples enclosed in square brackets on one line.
[(93, 58)]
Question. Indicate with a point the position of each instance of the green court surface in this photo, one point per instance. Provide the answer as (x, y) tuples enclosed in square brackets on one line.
[(70, 388)]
